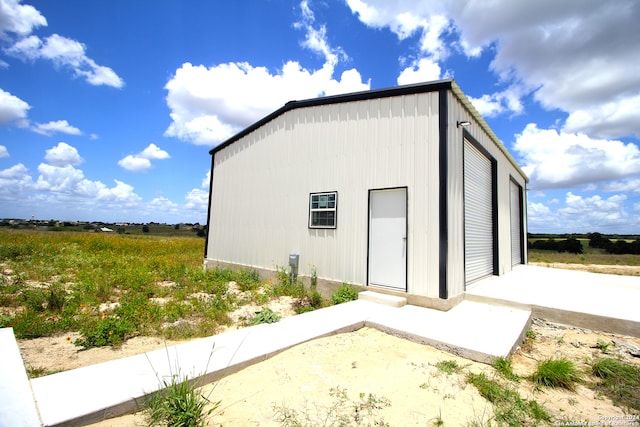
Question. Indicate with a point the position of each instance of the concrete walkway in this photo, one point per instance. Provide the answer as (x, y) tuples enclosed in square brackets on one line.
[(82, 396), (490, 322), (604, 302)]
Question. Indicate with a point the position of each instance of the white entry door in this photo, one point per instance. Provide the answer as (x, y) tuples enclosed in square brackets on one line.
[(388, 238)]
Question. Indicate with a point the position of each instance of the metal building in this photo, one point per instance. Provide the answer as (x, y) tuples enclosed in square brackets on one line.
[(406, 190)]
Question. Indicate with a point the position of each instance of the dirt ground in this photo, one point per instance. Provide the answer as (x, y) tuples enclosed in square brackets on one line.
[(371, 362), (625, 270)]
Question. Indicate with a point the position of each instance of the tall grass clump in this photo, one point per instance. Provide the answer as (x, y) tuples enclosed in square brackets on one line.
[(509, 407), (560, 373), (620, 381)]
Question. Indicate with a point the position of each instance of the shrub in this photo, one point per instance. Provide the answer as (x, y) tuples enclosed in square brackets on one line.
[(344, 293), (556, 373), (103, 332)]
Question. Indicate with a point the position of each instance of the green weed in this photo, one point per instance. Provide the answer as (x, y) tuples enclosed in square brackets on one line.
[(179, 403), (266, 315), (620, 382), (109, 331), (344, 293), (509, 407), (560, 373), (448, 367), (504, 368)]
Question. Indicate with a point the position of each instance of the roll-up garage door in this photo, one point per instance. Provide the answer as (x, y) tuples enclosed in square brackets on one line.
[(515, 192), (478, 214)]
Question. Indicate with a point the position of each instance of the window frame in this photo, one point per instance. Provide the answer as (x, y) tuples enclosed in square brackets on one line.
[(334, 210)]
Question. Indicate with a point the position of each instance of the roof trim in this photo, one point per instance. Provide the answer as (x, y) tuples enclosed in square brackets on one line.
[(483, 124), (336, 99), (432, 86)]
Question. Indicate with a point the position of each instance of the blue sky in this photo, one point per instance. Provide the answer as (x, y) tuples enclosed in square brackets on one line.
[(108, 109)]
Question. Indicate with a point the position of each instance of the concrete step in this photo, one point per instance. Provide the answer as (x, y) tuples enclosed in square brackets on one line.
[(17, 407), (378, 298), (475, 331)]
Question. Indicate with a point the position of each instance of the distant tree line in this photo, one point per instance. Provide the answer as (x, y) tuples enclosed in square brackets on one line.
[(570, 245), (596, 240), (620, 246)]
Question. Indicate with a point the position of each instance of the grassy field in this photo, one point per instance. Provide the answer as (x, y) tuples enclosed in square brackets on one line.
[(590, 256), (111, 287)]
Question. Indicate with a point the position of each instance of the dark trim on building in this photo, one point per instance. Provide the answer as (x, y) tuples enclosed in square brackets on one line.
[(438, 85), (406, 233), (206, 239), (523, 235), (443, 166)]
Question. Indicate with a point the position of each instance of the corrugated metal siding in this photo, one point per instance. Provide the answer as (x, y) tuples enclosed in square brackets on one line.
[(478, 214), (262, 182), (505, 172)]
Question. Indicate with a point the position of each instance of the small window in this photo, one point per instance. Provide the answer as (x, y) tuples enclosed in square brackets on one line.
[(323, 210)]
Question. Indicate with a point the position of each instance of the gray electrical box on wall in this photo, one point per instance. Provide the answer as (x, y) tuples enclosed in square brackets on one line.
[(294, 260)]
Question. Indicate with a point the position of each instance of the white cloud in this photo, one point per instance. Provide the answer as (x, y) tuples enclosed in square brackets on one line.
[(58, 126), (3, 151), (423, 70), (134, 164), (14, 182), (578, 56), (555, 159), (197, 200), (12, 109), (63, 154), (210, 104), (500, 102), (142, 161), (154, 152), (207, 180), (66, 53), (18, 18), (70, 184), (580, 214)]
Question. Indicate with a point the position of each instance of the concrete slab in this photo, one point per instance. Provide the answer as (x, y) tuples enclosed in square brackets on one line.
[(93, 393), (17, 408), (472, 330), (378, 298), (604, 302)]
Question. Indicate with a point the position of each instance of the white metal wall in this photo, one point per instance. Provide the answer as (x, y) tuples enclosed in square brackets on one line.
[(505, 172), (261, 186)]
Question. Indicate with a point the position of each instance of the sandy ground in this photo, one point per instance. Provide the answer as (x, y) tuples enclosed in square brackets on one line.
[(367, 361), (625, 270)]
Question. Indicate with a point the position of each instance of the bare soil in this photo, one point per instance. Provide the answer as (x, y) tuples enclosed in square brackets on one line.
[(369, 361), (624, 270)]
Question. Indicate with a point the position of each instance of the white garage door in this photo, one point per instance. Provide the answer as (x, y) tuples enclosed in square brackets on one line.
[(515, 192), (478, 214)]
